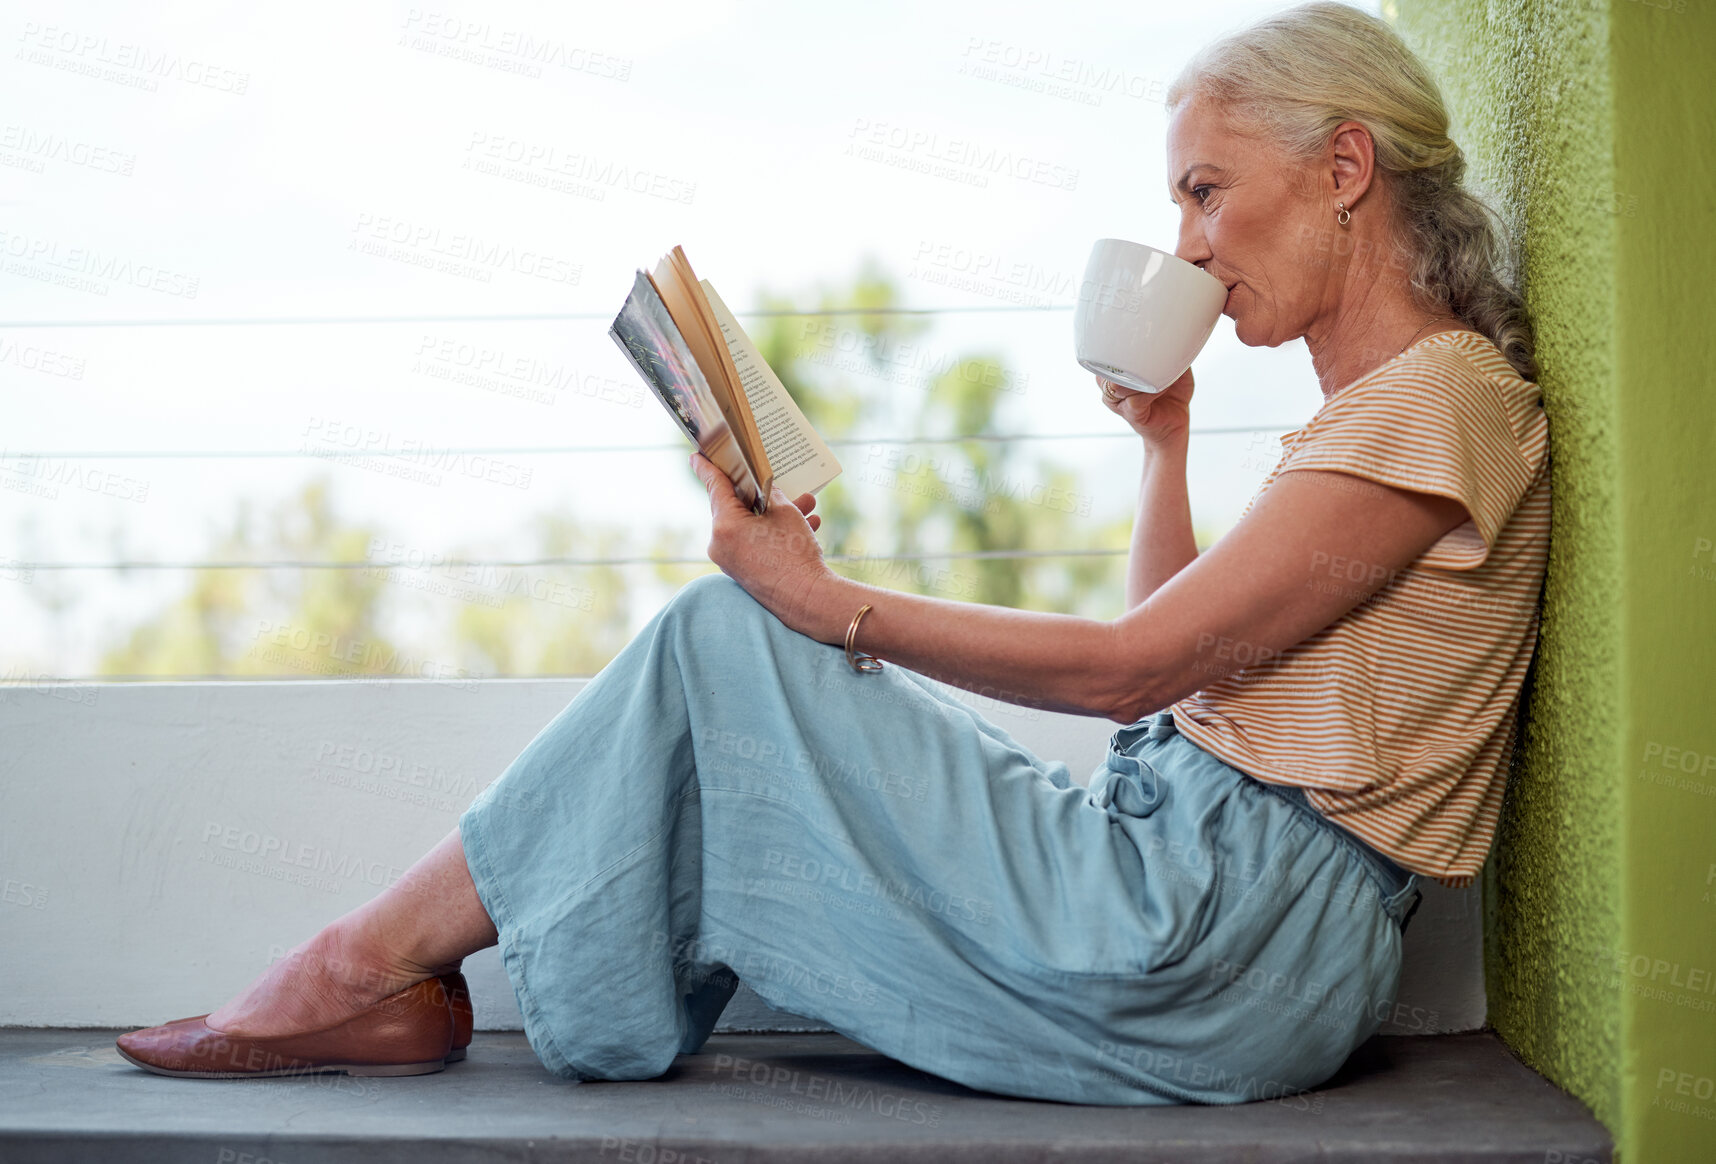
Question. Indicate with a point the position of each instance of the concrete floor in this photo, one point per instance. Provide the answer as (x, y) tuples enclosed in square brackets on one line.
[(65, 1095)]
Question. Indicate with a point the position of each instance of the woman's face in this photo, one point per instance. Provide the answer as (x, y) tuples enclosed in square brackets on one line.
[(1254, 220)]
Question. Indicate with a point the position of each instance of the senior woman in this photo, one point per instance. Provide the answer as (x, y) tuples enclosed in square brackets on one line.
[(764, 786)]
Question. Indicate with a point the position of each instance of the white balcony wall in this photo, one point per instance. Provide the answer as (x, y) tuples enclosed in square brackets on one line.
[(161, 843)]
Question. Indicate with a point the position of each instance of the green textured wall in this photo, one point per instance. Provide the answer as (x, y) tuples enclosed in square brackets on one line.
[(1665, 153), (1593, 125), (1530, 100)]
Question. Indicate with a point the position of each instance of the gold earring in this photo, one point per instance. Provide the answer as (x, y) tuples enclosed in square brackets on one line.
[(1343, 215)]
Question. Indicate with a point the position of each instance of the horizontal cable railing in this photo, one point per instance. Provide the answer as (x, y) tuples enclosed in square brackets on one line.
[(512, 317), (552, 450), (519, 563)]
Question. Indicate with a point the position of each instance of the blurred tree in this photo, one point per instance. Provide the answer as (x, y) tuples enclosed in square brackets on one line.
[(480, 620), (271, 622), (850, 364), (854, 366), (550, 621), (817, 356)]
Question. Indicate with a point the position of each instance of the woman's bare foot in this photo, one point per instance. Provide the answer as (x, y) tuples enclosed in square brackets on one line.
[(422, 925), (318, 984)]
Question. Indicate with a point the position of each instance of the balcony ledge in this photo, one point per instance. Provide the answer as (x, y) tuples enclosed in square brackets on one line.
[(769, 1097)]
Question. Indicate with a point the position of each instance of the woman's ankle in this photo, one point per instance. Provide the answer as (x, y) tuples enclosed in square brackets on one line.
[(364, 963)]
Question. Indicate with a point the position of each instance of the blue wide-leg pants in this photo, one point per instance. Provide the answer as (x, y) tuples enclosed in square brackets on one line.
[(729, 801)]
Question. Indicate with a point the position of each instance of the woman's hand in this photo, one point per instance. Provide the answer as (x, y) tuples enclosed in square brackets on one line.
[(774, 555), (1161, 418)]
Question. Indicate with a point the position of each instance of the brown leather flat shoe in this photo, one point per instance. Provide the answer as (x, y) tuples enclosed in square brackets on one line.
[(408, 1033), (459, 999)]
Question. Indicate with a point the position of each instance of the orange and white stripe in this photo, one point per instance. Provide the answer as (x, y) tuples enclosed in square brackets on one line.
[(1398, 718)]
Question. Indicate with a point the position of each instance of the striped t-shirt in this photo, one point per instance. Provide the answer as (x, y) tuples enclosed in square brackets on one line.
[(1397, 719)]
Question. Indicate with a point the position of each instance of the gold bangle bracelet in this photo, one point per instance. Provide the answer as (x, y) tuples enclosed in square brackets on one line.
[(858, 660)]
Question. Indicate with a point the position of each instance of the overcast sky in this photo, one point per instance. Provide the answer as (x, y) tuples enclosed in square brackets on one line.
[(166, 163)]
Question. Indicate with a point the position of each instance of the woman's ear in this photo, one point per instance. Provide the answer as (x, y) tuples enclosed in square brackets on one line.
[(1352, 161)]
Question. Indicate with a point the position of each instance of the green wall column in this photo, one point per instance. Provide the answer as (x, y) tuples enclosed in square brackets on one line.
[(1593, 125)]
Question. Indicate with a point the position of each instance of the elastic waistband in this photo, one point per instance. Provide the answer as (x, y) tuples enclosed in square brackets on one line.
[(1398, 885)]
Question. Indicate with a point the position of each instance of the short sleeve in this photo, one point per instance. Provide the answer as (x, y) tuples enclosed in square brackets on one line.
[(1431, 424)]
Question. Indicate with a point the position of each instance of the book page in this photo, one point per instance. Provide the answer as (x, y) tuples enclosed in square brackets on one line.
[(801, 462), (690, 308), (651, 340)]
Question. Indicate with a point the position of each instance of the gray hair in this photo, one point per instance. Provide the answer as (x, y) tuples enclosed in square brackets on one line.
[(1293, 77)]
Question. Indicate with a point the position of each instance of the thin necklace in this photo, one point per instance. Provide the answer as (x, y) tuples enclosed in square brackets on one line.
[(1415, 336), (1402, 351)]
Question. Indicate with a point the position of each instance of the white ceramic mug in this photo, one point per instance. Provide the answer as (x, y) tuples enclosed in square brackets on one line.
[(1143, 315)]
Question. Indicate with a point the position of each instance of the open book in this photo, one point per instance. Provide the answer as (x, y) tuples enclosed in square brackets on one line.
[(712, 380)]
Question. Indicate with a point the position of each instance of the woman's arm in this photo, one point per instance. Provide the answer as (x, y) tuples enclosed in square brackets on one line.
[(1162, 541), (1280, 575)]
